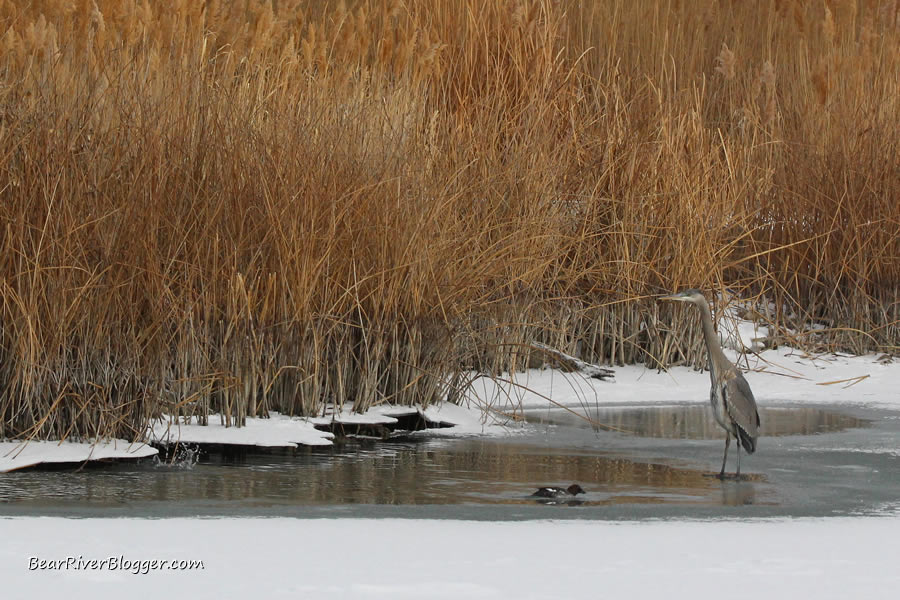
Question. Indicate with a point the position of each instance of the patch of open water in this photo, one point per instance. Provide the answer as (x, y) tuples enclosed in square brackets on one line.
[(811, 461), (695, 421)]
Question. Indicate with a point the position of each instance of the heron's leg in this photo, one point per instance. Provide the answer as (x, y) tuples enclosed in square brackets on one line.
[(725, 458), (738, 476)]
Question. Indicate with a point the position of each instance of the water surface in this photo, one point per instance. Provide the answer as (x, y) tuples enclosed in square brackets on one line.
[(811, 461), (695, 421)]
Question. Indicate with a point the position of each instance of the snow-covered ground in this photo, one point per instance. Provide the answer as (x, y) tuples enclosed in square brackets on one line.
[(284, 431), (18, 455), (784, 375), (461, 421), (276, 431), (371, 559)]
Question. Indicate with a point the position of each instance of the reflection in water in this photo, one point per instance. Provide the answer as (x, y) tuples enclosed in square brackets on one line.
[(429, 472), (432, 471), (465, 477), (696, 421), (740, 493)]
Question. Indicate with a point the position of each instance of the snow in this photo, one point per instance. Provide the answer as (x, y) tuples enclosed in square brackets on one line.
[(740, 334), (283, 431), (384, 414), (19, 454), (835, 558), (468, 420), (777, 376), (276, 431)]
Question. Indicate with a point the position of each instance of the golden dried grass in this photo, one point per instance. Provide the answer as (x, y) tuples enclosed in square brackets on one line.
[(234, 208)]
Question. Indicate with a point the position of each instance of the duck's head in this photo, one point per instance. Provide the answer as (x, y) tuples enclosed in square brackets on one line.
[(575, 489)]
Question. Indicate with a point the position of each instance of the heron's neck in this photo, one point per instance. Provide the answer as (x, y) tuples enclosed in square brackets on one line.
[(709, 334)]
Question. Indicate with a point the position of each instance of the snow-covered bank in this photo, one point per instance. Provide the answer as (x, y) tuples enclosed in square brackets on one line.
[(277, 431), (289, 432), (284, 431), (784, 375), (19, 454), (285, 558), (449, 419), (776, 376)]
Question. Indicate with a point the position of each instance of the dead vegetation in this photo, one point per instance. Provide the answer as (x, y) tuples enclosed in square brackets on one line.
[(238, 207)]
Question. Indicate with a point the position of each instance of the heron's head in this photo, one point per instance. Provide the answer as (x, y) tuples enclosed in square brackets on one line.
[(693, 296), (575, 489)]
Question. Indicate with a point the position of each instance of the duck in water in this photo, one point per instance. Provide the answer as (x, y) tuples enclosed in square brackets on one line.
[(558, 492)]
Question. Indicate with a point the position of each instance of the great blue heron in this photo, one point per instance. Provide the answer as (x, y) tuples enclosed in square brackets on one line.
[(732, 401)]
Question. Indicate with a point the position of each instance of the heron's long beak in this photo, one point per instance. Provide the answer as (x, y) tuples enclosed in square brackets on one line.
[(674, 298)]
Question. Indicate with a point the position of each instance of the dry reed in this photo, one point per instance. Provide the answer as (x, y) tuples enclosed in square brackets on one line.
[(240, 207)]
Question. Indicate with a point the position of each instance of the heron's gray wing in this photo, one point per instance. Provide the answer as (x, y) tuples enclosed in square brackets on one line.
[(741, 407)]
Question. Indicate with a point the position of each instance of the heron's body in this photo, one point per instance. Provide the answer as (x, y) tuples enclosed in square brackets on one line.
[(733, 405), (717, 400)]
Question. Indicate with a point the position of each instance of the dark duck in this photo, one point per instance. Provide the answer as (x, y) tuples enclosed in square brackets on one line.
[(558, 492)]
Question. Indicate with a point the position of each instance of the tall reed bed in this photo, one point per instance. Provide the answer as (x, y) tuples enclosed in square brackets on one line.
[(239, 207)]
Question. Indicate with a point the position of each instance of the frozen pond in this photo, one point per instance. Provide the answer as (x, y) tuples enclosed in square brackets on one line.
[(812, 461)]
